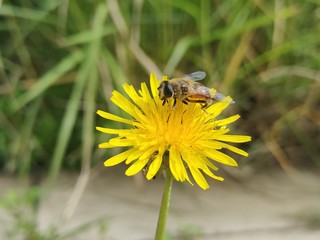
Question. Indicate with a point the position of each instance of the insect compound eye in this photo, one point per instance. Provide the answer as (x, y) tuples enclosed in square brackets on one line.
[(167, 90), (160, 90)]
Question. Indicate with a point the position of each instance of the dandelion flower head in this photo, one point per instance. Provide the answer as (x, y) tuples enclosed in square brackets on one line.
[(184, 140)]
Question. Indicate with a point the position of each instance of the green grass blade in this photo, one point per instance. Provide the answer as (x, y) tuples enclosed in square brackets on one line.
[(115, 69), (48, 79), (86, 36), (92, 87), (82, 78), (179, 52), (25, 13)]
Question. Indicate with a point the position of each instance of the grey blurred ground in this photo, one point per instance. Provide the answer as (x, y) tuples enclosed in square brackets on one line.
[(269, 206)]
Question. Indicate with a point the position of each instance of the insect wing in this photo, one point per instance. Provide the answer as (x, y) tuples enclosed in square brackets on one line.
[(196, 76), (220, 97)]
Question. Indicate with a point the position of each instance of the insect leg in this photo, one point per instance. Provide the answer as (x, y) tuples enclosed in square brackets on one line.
[(174, 102), (196, 100), (203, 102)]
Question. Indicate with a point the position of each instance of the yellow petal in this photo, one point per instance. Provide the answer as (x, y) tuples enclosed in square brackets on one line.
[(134, 155), (176, 166), (120, 132), (207, 171), (208, 143), (192, 158), (129, 89), (106, 145), (210, 165), (118, 158), (215, 109), (234, 149), (154, 166), (227, 121), (234, 138), (112, 117), (145, 92), (198, 177), (121, 142), (220, 157), (148, 152), (123, 103), (154, 84), (136, 167)]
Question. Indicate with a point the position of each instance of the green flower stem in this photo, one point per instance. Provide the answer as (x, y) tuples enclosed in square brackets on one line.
[(164, 209)]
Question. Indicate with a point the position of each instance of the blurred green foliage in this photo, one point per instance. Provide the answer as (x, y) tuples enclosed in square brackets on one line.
[(22, 223), (21, 219), (60, 61)]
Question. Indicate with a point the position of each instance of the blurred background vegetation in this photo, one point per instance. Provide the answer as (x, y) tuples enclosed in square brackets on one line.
[(60, 61)]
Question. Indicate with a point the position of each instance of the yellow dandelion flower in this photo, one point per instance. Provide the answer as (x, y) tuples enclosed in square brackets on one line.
[(184, 140)]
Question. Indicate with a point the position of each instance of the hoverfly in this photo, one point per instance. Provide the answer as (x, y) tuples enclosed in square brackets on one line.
[(188, 90)]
